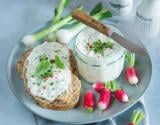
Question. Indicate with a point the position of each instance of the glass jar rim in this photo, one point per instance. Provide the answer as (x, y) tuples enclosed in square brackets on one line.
[(94, 61)]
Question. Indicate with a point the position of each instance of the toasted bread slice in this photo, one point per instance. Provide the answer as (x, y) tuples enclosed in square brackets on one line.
[(68, 99)]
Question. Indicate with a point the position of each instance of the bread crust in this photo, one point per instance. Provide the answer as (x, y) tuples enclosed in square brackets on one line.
[(68, 99)]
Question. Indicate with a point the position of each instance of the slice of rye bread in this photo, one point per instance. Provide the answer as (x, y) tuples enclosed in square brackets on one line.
[(68, 99)]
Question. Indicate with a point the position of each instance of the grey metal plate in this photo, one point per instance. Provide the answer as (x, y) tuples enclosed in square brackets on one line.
[(78, 115)]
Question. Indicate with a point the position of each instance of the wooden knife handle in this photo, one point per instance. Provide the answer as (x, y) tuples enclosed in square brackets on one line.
[(90, 21)]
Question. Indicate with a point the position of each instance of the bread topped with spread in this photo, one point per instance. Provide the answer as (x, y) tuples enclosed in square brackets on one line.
[(50, 75)]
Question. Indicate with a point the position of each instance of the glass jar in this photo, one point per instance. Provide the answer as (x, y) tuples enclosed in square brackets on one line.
[(104, 68)]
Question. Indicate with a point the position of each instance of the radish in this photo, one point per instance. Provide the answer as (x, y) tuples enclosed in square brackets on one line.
[(130, 72), (98, 86), (121, 95), (89, 102), (104, 100), (136, 118), (131, 75)]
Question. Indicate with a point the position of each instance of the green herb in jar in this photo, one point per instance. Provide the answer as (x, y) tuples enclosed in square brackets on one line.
[(98, 46), (52, 83)]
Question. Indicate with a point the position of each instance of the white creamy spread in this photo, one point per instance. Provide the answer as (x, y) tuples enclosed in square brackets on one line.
[(88, 37), (53, 86)]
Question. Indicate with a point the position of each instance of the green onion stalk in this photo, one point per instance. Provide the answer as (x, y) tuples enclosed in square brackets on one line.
[(136, 118), (57, 16), (65, 35), (29, 40), (59, 10)]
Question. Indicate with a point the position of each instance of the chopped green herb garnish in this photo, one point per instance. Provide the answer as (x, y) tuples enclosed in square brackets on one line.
[(108, 44), (38, 84), (43, 69), (99, 46), (43, 57), (52, 61), (51, 83), (57, 51), (59, 62)]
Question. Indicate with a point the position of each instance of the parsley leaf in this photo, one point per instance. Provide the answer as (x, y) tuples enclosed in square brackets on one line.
[(43, 57), (59, 62), (43, 69), (108, 44), (99, 46)]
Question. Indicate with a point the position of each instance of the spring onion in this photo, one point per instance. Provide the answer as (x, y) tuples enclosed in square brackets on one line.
[(59, 10), (136, 118), (57, 16), (98, 7), (31, 39), (65, 35)]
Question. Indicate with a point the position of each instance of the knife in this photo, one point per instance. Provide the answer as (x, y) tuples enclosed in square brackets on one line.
[(89, 21)]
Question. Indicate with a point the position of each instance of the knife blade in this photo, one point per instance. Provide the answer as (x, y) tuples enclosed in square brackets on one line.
[(90, 21)]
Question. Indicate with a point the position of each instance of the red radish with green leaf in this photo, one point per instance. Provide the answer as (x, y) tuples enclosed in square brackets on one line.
[(136, 118), (98, 86), (119, 94), (104, 99), (89, 101), (130, 72)]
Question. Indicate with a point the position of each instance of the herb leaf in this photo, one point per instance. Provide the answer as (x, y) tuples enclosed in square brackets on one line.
[(108, 44), (43, 57), (43, 69), (59, 62), (99, 46)]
